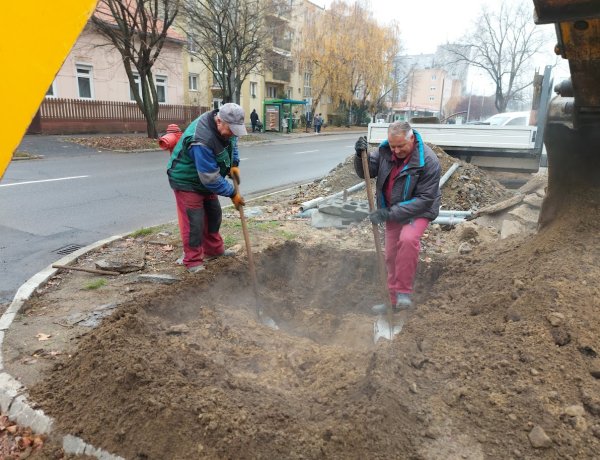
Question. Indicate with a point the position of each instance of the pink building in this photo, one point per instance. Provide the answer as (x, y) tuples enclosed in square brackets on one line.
[(94, 70)]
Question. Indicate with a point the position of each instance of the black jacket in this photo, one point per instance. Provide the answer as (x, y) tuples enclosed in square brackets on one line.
[(254, 117), (416, 190)]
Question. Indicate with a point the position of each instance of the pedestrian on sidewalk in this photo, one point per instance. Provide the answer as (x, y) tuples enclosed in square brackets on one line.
[(408, 198), (318, 120), (254, 120), (206, 153)]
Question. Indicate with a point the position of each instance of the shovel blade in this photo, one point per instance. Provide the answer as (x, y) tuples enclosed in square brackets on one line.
[(382, 329), (267, 320)]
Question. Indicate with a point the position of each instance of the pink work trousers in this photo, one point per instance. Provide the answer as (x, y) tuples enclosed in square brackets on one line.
[(402, 245), (199, 217)]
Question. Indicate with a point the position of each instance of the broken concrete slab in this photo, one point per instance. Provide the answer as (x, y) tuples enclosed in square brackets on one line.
[(525, 214), (322, 220), (127, 261), (351, 209), (534, 200)]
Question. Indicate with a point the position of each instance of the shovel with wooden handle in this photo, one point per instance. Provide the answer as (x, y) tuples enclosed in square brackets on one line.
[(262, 317), (383, 327)]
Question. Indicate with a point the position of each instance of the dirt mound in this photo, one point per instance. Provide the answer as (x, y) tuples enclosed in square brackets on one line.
[(469, 188), (500, 359)]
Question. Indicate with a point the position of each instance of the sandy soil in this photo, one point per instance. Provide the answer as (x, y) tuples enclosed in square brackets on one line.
[(499, 360)]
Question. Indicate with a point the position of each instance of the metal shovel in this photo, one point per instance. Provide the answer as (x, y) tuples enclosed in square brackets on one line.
[(384, 324), (262, 317)]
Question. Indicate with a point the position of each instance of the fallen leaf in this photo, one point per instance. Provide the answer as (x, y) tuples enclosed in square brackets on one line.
[(168, 247), (41, 336)]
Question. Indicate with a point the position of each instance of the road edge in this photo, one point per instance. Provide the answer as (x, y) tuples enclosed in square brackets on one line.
[(13, 394)]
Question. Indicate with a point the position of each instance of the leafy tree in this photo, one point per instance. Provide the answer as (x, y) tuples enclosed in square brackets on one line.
[(502, 44), (230, 38), (349, 56), (138, 30)]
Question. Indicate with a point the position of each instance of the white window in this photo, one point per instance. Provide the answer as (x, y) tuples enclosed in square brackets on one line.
[(191, 44), (432, 88), (434, 77), (84, 81), (307, 84), (217, 69), (253, 88), (217, 103), (432, 98), (290, 93), (161, 88), (271, 92), (136, 80), (193, 82), (51, 91)]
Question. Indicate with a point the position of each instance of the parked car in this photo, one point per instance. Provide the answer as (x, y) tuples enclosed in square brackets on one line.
[(508, 119)]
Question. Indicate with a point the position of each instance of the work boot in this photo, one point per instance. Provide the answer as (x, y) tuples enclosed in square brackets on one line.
[(379, 309), (196, 268), (403, 302), (226, 253)]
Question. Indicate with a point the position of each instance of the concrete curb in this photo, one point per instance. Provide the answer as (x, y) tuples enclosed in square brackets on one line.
[(13, 395)]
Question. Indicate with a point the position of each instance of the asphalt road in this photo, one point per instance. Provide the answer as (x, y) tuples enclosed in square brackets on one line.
[(76, 196)]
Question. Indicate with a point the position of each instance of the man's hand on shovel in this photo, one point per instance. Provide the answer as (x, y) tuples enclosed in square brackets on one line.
[(238, 200)]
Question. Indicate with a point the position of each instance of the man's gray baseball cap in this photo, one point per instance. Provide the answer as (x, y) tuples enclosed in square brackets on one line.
[(233, 115)]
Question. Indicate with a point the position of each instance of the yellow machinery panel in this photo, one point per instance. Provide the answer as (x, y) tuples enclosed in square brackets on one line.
[(35, 38)]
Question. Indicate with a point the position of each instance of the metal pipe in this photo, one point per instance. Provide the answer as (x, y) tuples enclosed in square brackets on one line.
[(314, 202), (449, 220), (453, 212), (450, 171)]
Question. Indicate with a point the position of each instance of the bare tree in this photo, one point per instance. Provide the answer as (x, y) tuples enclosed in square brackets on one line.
[(502, 44), (229, 38), (138, 30)]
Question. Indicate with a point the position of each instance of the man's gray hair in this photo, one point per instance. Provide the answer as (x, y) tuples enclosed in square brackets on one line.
[(398, 128)]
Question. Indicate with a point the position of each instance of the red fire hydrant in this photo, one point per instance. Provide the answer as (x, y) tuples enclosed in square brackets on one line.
[(170, 139)]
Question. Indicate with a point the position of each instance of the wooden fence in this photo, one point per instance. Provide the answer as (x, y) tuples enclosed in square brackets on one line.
[(72, 116)]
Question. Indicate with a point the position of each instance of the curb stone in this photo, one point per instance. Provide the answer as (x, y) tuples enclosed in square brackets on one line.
[(13, 399)]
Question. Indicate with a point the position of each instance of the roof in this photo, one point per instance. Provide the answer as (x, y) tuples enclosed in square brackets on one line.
[(284, 101), (104, 14)]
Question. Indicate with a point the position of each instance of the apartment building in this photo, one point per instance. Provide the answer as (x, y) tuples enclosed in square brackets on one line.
[(430, 85)]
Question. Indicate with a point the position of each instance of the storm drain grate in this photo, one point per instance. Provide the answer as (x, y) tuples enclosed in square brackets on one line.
[(68, 249)]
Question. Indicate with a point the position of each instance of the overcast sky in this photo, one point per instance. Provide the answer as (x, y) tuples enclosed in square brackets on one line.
[(426, 24)]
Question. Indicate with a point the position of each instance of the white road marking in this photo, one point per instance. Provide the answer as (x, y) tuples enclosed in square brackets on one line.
[(306, 151), (243, 159), (45, 180)]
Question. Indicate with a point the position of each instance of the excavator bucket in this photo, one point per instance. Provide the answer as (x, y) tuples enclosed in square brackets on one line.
[(572, 134)]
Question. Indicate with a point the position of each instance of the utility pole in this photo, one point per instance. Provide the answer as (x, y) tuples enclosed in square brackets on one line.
[(469, 105), (442, 96), (412, 85)]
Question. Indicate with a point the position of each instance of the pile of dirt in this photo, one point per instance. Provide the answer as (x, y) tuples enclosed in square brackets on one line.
[(469, 187), (499, 360)]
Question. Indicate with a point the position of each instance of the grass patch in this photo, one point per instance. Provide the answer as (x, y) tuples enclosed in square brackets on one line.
[(229, 240), (142, 232), (95, 284), (24, 155), (249, 138), (288, 235), (263, 224)]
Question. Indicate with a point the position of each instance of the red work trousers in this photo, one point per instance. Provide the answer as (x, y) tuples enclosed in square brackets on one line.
[(402, 246), (199, 217)]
